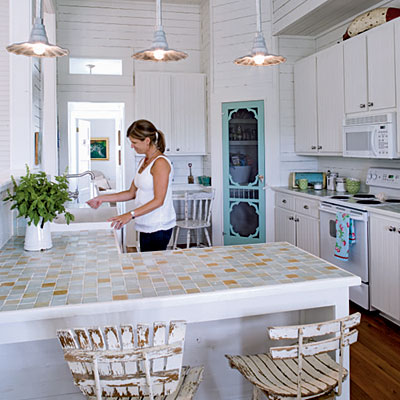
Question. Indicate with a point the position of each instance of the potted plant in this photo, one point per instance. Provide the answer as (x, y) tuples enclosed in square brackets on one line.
[(39, 200)]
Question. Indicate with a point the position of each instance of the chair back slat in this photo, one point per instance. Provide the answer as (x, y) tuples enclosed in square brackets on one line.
[(310, 349), (109, 362), (312, 330), (198, 206)]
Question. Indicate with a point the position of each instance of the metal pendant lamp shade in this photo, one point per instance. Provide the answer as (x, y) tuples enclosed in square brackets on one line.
[(159, 50), (38, 44), (260, 55)]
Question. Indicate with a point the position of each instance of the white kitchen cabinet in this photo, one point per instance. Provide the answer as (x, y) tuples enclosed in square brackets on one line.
[(385, 264), (319, 98), (175, 103), (369, 70), (305, 105), (297, 221)]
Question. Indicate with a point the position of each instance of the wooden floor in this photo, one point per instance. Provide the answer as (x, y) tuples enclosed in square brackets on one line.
[(375, 358)]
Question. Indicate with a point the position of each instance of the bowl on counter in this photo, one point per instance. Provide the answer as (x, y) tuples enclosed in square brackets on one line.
[(318, 186), (353, 185)]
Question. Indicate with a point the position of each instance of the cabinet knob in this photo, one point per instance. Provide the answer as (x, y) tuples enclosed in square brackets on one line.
[(296, 220), (291, 218), (284, 201), (362, 105), (370, 104), (306, 207), (167, 149), (313, 147), (177, 149), (319, 147), (392, 229)]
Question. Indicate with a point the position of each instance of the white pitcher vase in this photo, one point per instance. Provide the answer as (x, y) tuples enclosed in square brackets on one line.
[(37, 238)]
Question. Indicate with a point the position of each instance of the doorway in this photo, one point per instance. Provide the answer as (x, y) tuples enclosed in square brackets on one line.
[(95, 143)]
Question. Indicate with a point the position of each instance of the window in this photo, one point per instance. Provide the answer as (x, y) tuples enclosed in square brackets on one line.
[(95, 66)]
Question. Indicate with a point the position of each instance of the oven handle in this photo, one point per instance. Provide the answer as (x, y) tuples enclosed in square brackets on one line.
[(355, 216)]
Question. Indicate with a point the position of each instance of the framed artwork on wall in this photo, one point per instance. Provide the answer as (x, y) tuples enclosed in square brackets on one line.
[(99, 149)]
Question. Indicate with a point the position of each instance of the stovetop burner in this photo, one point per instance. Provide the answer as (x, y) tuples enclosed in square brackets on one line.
[(340, 197), (370, 202), (363, 196)]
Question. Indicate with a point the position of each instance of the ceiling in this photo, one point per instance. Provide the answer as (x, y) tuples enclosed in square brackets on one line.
[(319, 20)]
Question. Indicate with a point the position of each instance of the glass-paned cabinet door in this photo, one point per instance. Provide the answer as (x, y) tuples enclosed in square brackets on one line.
[(243, 160)]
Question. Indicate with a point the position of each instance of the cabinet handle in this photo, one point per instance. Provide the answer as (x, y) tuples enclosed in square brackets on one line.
[(291, 218), (313, 147), (284, 201), (306, 207), (370, 104), (319, 147), (362, 105), (296, 220), (392, 229)]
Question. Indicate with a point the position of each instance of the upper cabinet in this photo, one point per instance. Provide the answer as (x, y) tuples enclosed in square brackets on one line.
[(319, 98), (369, 70), (175, 103)]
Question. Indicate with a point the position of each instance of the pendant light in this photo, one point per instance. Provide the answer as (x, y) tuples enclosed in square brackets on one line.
[(259, 53), (159, 50), (38, 44)]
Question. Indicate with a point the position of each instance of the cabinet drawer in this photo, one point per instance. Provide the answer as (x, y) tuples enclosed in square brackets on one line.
[(307, 207), (284, 200)]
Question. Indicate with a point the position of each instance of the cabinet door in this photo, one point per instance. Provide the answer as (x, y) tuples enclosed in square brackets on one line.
[(381, 68), (355, 74), (330, 100), (307, 234), (385, 265), (305, 104), (284, 226), (188, 114), (153, 101)]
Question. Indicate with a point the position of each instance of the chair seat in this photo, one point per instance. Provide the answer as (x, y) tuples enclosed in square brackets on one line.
[(192, 224), (186, 389), (278, 378)]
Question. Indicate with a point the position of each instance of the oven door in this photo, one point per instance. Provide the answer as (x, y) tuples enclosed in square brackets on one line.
[(358, 141), (357, 262)]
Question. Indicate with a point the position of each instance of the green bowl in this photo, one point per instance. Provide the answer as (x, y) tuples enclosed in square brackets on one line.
[(353, 185)]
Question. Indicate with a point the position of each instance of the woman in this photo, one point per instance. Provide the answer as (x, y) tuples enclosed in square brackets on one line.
[(154, 212)]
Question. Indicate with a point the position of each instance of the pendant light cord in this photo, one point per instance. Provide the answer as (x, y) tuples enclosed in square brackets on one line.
[(258, 10), (159, 16), (39, 9)]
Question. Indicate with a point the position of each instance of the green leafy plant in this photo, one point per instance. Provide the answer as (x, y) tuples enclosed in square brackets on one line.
[(38, 199)]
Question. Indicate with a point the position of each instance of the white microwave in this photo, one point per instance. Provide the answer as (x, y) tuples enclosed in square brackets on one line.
[(370, 136)]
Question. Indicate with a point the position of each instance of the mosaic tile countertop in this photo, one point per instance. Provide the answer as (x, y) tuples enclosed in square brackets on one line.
[(86, 267)]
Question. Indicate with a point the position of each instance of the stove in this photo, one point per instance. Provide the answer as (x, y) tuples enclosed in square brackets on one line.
[(383, 183)]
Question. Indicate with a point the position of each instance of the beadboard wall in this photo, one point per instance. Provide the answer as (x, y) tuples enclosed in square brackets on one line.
[(5, 144)]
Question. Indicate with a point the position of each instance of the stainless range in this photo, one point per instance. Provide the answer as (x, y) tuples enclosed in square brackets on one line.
[(384, 190)]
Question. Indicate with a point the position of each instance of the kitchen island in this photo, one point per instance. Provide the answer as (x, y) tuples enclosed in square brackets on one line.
[(228, 295)]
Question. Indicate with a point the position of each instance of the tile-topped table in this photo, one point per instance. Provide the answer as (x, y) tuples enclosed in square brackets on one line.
[(83, 280)]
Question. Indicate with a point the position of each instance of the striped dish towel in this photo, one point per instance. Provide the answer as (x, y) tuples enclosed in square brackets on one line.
[(345, 235)]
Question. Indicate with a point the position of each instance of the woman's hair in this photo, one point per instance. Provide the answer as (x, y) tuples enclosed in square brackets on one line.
[(142, 129)]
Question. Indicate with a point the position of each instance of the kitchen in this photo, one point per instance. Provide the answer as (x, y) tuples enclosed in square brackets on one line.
[(218, 40)]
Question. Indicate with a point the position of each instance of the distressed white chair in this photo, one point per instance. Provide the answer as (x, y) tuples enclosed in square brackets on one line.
[(303, 370), (197, 208), (127, 362)]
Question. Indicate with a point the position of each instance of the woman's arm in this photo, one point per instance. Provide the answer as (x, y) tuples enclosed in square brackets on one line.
[(160, 171), (115, 197)]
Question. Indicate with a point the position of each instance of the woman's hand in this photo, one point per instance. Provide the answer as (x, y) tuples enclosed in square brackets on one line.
[(120, 220), (96, 202)]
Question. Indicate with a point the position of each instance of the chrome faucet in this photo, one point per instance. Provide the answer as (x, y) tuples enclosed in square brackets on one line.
[(92, 176), (75, 194)]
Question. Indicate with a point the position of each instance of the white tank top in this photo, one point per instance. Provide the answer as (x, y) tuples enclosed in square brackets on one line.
[(162, 218)]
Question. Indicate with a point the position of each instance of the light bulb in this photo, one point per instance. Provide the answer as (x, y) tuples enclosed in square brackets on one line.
[(259, 59), (39, 48), (159, 54)]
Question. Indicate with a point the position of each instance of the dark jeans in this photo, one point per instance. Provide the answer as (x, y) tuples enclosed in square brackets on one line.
[(155, 241)]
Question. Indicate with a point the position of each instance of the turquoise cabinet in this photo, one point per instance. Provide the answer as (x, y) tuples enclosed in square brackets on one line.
[(243, 172)]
